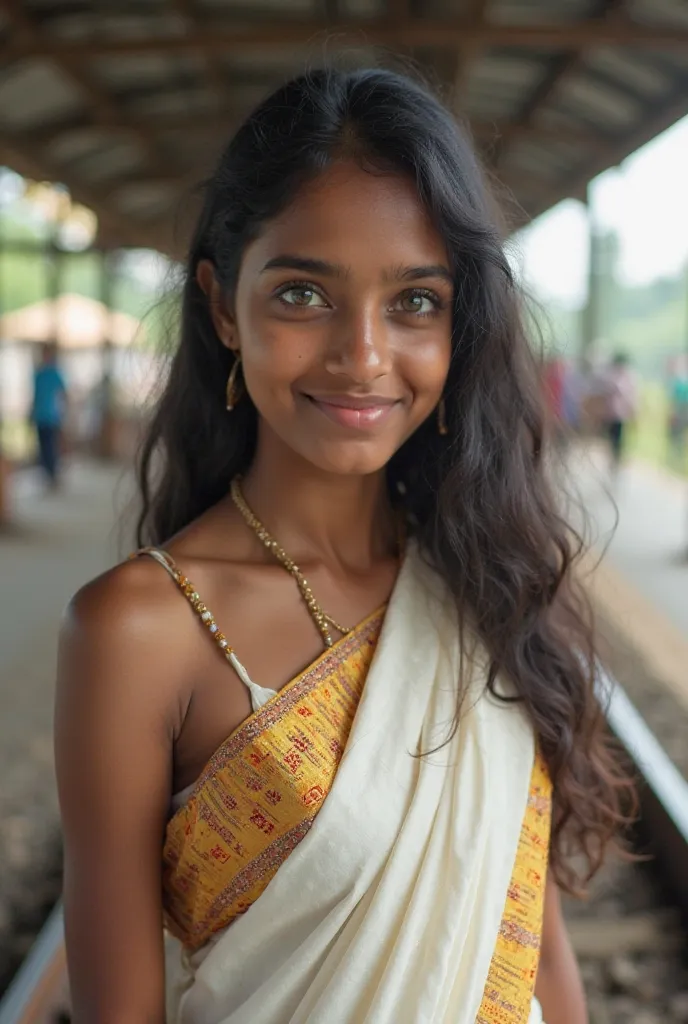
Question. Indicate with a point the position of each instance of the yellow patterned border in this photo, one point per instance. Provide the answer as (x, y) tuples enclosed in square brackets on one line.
[(511, 979), (261, 791)]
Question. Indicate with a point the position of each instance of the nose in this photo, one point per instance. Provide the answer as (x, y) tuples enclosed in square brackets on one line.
[(360, 346)]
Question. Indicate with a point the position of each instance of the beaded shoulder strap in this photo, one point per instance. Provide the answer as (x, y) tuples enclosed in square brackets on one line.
[(193, 597)]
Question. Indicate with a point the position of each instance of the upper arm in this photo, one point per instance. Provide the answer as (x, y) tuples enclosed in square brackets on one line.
[(113, 745)]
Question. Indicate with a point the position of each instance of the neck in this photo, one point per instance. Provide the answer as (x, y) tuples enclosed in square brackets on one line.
[(345, 520)]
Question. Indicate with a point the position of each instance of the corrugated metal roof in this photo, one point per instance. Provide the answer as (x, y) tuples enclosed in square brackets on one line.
[(32, 93), (538, 12), (127, 101)]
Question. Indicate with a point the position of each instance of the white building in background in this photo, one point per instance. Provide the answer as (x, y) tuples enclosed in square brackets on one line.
[(91, 340)]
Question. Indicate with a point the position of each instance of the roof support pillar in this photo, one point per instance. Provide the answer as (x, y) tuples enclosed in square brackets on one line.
[(590, 313), (4, 463), (107, 439)]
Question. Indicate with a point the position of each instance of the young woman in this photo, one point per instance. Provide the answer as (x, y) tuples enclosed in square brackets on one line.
[(337, 727)]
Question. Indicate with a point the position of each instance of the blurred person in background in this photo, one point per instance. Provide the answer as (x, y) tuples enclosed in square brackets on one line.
[(678, 409), (336, 807), (618, 390), (48, 412), (589, 390), (553, 381), (561, 400), (571, 398)]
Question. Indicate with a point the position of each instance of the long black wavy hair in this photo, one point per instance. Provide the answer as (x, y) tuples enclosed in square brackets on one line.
[(484, 512)]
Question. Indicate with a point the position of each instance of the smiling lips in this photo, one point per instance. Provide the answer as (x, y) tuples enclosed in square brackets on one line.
[(358, 411)]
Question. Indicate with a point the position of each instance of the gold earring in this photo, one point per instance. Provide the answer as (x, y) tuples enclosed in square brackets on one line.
[(442, 427), (234, 386)]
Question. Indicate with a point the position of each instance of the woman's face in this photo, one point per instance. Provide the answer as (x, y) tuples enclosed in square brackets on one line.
[(342, 315)]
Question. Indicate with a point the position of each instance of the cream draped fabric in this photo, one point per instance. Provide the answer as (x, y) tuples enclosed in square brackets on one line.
[(388, 911)]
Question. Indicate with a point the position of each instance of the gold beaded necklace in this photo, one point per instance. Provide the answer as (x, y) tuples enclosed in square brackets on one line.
[(322, 620)]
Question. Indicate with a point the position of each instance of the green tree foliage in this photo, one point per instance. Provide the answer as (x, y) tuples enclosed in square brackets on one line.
[(649, 322), (29, 276)]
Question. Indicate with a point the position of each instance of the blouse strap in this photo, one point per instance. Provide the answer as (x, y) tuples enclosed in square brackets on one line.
[(193, 597)]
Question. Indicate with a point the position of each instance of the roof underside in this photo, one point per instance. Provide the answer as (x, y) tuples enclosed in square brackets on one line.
[(127, 102)]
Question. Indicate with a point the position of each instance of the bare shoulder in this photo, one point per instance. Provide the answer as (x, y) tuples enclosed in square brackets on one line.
[(127, 632), (132, 601)]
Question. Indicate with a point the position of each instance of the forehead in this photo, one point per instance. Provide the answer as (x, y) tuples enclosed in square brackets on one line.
[(365, 220)]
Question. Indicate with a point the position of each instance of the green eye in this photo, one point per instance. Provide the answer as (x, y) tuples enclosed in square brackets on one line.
[(419, 301), (302, 296)]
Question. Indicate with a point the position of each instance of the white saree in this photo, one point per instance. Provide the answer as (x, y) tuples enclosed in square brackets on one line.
[(389, 909)]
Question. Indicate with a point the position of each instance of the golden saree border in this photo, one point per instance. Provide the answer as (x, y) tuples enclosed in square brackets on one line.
[(260, 792), (511, 979)]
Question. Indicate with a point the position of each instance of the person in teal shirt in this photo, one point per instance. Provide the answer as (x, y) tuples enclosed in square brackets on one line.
[(678, 409), (48, 412)]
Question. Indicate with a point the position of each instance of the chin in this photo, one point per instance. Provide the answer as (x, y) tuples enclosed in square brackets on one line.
[(350, 459)]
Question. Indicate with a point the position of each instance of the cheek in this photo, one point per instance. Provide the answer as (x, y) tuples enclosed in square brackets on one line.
[(425, 365), (273, 352), (270, 369)]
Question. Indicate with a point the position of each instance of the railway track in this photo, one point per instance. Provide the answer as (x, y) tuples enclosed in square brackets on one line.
[(38, 994)]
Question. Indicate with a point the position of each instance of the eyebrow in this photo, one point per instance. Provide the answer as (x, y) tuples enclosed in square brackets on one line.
[(311, 265), (307, 265), (417, 273)]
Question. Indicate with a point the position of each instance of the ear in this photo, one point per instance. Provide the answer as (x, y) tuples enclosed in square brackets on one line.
[(220, 312)]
